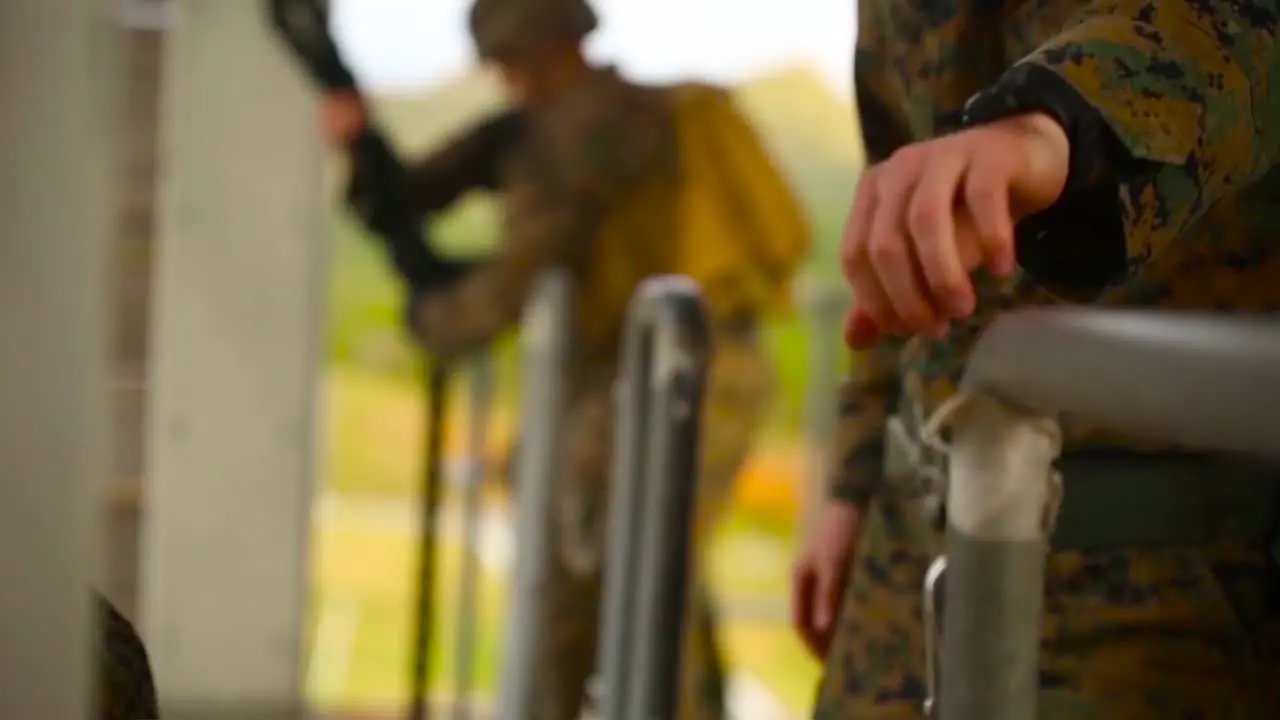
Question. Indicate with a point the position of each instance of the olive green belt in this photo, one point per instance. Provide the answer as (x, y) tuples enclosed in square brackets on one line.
[(1119, 499), (1122, 499)]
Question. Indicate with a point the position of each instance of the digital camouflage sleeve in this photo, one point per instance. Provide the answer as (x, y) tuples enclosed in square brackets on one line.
[(1184, 85), (1187, 88), (471, 160), (870, 395), (574, 159)]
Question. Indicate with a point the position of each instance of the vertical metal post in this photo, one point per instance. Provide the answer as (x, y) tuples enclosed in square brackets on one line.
[(667, 348), (437, 404), (481, 402), (57, 65), (998, 501), (545, 344), (824, 307)]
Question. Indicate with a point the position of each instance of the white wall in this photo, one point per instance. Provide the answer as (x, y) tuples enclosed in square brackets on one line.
[(56, 225), (236, 335)]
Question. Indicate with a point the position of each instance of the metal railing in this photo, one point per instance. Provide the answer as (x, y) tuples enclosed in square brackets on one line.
[(652, 496), (823, 306), (546, 339), (1198, 381), (480, 389)]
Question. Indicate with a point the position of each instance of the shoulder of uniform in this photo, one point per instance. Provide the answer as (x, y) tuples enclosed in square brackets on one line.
[(613, 140)]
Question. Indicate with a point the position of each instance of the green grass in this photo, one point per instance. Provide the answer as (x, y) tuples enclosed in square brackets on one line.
[(372, 571), (375, 423)]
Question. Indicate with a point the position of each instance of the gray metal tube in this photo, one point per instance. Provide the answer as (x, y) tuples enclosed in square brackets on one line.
[(57, 67), (824, 307), (612, 684), (1200, 380), (1000, 485), (654, 491), (545, 343), (480, 405)]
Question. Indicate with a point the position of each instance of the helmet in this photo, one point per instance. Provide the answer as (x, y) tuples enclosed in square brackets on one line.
[(506, 29)]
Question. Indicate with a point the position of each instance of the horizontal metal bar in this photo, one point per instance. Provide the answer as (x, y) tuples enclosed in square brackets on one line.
[(1204, 381)]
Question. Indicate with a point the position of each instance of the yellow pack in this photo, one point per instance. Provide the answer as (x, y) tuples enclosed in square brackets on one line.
[(741, 231)]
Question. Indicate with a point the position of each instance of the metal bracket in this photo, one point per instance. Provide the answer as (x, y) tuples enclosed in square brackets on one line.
[(932, 607)]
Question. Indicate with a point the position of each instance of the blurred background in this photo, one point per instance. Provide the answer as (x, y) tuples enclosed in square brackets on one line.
[(790, 69)]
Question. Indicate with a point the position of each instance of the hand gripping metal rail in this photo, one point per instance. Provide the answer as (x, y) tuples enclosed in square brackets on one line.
[(667, 347), (1200, 381)]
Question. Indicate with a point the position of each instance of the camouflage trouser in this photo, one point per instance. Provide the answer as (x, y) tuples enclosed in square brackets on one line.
[(736, 393), (125, 687), (1175, 633)]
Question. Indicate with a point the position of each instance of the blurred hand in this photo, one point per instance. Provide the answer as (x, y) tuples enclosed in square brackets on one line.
[(342, 118), (820, 572), (935, 211)]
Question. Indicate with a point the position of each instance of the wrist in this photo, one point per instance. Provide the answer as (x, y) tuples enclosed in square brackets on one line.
[(1048, 105)]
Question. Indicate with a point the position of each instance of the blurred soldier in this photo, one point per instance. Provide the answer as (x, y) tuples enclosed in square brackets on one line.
[(614, 182), (1121, 153)]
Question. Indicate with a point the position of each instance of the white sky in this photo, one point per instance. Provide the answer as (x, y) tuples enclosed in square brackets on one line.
[(416, 43)]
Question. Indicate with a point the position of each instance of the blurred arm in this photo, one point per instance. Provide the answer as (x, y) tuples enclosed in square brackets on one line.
[(468, 161)]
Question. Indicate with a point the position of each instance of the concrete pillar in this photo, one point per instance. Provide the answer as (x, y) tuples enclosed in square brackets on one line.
[(56, 61), (235, 351), (142, 40)]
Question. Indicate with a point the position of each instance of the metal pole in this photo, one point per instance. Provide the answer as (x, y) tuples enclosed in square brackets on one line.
[(437, 412), (667, 349), (546, 340), (481, 403), (57, 65), (998, 497), (825, 307), (1194, 380)]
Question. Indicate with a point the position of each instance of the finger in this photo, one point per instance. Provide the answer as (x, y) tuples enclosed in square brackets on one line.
[(890, 250), (861, 332), (986, 196), (931, 220), (855, 226), (868, 296)]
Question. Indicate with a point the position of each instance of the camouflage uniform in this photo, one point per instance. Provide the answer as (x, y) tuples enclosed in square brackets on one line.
[(602, 151), (1182, 86)]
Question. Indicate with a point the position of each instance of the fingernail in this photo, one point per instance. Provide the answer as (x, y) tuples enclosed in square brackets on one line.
[(861, 331)]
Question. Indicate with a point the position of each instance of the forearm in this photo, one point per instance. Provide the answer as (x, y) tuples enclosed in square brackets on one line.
[(867, 399), (469, 161), (547, 225), (471, 313)]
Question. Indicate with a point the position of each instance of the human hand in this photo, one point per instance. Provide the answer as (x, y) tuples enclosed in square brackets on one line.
[(342, 118), (820, 571), (935, 211)]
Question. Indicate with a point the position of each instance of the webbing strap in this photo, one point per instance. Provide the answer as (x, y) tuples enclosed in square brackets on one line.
[(1124, 499)]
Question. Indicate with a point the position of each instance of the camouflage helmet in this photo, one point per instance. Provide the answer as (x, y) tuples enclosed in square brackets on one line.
[(512, 28)]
